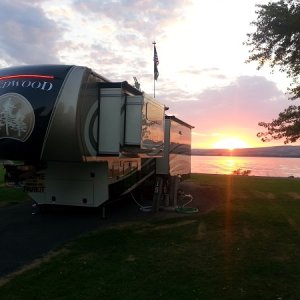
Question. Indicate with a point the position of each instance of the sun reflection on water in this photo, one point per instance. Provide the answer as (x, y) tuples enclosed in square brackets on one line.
[(253, 166), (229, 164)]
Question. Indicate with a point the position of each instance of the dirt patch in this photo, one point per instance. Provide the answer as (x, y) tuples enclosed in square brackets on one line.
[(201, 232), (34, 264), (264, 195), (283, 258), (241, 196), (130, 258), (177, 224), (294, 225), (86, 257), (294, 196), (247, 233), (165, 226)]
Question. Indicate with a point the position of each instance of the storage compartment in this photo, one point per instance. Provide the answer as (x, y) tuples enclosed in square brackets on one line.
[(78, 184)]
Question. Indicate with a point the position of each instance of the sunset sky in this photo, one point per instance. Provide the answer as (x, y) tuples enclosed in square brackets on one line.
[(203, 77)]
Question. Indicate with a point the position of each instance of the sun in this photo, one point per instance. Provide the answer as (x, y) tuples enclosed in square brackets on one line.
[(230, 143)]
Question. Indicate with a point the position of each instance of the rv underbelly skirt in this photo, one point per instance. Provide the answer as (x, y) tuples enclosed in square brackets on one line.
[(76, 184)]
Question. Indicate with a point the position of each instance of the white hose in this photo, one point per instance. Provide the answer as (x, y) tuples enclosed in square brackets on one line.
[(142, 208)]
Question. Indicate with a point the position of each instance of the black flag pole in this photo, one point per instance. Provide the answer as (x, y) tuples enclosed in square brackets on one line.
[(155, 63)]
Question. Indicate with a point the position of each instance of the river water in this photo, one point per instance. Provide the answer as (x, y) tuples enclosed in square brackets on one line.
[(257, 166)]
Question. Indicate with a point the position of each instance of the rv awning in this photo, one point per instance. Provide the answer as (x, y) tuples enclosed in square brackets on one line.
[(179, 121), (124, 85)]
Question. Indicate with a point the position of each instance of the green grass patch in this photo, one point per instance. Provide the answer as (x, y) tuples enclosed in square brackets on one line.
[(9, 195), (247, 248)]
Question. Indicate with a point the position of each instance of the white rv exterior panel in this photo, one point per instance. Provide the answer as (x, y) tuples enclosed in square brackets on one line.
[(78, 192), (111, 121), (75, 184), (133, 125)]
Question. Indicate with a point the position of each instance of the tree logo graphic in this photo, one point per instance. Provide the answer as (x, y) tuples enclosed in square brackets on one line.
[(16, 117)]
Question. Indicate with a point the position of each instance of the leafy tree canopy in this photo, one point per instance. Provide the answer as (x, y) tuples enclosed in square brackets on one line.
[(286, 126), (276, 41)]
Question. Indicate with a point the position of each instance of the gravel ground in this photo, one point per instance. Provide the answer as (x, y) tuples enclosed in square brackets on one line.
[(26, 236)]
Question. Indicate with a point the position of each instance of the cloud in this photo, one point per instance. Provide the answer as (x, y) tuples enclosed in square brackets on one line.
[(27, 36), (241, 104), (117, 35), (145, 16), (208, 72)]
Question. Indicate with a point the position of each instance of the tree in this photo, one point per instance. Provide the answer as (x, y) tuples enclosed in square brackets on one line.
[(6, 116), (286, 126), (276, 41), (11, 120)]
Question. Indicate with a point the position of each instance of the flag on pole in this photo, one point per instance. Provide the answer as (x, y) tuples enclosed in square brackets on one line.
[(156, 62)]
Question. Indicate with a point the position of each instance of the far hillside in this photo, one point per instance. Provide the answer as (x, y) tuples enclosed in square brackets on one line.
[(276, 151)]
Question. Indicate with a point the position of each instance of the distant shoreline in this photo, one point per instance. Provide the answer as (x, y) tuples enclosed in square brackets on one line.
[(236, 155), (276, 151), (249, 176)]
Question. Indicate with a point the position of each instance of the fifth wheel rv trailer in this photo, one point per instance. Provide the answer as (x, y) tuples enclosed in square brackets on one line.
[(72, 137)]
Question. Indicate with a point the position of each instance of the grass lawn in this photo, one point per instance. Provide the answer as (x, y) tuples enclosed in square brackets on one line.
[(9, 195), (246, 248)]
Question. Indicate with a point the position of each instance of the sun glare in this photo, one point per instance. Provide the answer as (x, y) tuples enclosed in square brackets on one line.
[(230, 143)]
